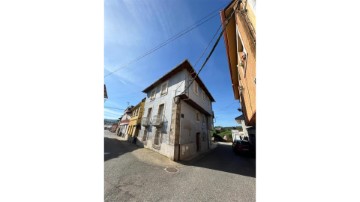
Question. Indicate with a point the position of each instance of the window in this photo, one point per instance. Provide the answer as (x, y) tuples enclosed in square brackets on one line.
[(253, 4), (207, 101), (241, 51), (203, 122), (203, 95), (161, 110), (152, 95), (164, 88), (149, 114), (196, 88), (197, 114)]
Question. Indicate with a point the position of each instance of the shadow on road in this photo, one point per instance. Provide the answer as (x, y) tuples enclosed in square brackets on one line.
[(221, 158), (224, 159), (114, 148)]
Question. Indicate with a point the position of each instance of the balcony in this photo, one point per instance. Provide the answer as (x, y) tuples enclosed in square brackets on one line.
[(145, 121), (157, 120)]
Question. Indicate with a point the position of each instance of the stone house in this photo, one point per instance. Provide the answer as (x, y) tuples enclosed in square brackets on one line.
[(177, 115)]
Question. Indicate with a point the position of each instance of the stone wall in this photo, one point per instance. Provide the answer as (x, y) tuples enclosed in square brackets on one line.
[(175, 128)]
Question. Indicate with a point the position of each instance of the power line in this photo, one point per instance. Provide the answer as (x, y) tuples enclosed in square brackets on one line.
[(176, 36), (213, 48), (159, 46), (113, 108), (203, 53), (227, 107)]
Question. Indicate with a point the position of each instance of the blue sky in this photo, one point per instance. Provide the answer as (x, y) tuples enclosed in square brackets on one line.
[(133, 27)]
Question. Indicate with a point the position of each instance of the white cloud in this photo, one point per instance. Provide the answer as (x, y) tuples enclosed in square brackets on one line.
[(112, 114), (112, 111), (126, 77)]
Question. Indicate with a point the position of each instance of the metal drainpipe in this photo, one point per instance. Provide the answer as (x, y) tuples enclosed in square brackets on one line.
[(179, 134)]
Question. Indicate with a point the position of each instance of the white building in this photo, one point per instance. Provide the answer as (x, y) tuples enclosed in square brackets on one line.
[(177, 119), (124, 122)]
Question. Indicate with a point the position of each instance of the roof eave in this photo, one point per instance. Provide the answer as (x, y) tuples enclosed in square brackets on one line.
[(226, 41), (183, 65)]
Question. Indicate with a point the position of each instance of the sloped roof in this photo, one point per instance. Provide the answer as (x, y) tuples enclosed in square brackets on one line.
[(183, 65), (105, 92), (241, 117)]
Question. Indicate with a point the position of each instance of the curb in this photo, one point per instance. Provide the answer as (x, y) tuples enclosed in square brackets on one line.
[(200, 156)]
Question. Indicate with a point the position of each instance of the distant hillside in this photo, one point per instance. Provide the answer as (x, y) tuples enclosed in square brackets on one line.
[(110, 121), (230, 128)]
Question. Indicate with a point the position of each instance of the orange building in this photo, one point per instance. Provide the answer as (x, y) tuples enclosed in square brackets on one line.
[(239, 21)]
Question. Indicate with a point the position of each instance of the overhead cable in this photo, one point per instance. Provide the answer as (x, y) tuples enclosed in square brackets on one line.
[(213, 48), (176, 36)]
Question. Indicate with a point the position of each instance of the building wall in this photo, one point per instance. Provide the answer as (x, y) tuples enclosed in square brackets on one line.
[(176, 85), (123, 129), (114, 128), (123, 125), (204, 102), (135, 119), (189, 127), (247, 77), (242, 24)]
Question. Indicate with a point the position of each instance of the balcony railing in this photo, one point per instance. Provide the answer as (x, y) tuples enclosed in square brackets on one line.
[(157, 120), (145, 121)]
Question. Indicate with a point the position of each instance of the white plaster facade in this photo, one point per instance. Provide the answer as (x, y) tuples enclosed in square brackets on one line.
[(186, 113), (124, 123)]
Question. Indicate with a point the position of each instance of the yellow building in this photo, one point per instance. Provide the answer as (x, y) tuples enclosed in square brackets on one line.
[(135, 120), (239, 20)]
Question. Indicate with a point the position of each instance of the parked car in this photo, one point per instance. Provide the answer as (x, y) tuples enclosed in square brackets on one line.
[(241, 147)]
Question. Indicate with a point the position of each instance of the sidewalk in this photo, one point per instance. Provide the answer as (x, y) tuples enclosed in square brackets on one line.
[(197, 157), (143, 154), (151, 157), (113, 135)]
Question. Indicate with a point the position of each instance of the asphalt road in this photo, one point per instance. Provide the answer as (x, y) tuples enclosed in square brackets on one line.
[(137, 174)]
